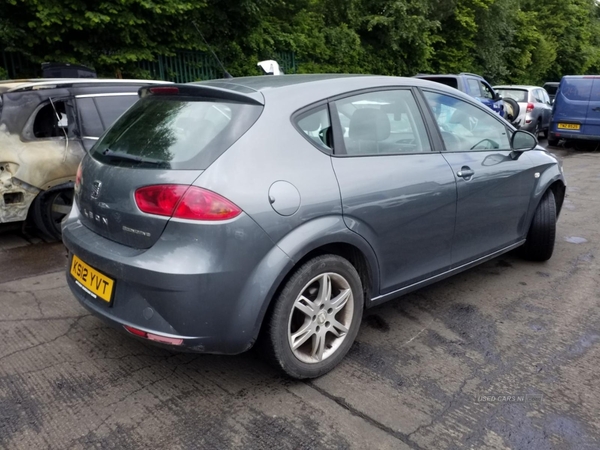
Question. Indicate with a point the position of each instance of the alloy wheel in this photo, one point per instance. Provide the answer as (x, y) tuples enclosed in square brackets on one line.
[(321, 317)]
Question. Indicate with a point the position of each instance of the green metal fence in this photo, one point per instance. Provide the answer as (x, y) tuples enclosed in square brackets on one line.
[(14, 65), (287, 62), (183, 67)]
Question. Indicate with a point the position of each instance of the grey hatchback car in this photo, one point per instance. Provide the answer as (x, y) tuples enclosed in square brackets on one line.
[(214, 214)]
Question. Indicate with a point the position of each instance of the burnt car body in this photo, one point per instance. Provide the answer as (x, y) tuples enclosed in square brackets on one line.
[(46, 126)]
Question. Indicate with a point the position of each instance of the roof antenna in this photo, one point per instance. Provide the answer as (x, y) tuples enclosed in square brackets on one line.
[(225, 73)]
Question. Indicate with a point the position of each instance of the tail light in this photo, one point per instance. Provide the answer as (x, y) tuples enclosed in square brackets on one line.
[(185, 202), (164, 90), (530, 107), (78, 178)]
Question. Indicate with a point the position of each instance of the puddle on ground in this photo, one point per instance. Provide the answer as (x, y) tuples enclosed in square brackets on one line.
[(575, 239)]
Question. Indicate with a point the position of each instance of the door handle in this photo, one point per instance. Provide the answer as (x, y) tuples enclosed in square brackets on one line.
[(597, 109), (465, 172)]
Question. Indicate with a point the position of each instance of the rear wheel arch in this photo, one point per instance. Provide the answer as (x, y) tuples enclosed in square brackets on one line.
[(347, 251), (359, 260)]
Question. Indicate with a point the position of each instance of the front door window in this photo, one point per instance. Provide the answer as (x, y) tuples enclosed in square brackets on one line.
[(466, 127)]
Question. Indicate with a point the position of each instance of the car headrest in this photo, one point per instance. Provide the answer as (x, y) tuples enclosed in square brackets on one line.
[(460, 117), (369, 124)]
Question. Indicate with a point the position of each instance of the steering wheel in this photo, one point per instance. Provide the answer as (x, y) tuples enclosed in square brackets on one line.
[(494, 144)]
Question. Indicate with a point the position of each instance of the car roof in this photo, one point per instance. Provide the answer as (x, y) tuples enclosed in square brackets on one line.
[(264, 82), (50, 83), (448, 75), (517, 86), (302, 90)]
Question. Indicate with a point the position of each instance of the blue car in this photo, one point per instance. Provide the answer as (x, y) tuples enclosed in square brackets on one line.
[(576, 109), (473, 85)]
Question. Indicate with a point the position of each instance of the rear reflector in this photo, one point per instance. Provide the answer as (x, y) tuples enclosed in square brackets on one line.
[(164, 339), (185, 202), (154, 337), (164, 90), (135, 331)]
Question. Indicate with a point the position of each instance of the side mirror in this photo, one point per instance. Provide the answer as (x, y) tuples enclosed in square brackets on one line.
[(498, 97), (522, 141)]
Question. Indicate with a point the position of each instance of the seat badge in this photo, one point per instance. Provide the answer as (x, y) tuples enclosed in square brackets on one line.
[(96, 185)]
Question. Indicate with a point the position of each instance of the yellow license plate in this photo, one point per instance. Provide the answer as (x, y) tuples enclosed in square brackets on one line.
[(91, 281), (569, 126)]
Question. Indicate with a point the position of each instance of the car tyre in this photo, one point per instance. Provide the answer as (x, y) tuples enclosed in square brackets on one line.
[(49, 208), (539, 245), (553, 142), (547, 133), (316, 317)]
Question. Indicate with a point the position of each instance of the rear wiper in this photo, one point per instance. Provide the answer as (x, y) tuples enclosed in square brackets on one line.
[(127, 157)]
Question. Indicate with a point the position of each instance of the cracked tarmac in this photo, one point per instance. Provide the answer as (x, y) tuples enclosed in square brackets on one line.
[(414, 379)]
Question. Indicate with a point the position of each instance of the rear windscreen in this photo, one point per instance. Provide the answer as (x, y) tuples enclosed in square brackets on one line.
[(518, 95), (550, 89), (577, 88), (174, 132)]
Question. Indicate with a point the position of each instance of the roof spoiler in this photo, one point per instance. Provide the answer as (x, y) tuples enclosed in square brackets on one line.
[(208, 92)]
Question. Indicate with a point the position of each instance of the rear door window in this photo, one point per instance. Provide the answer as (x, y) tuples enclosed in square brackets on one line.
[(97, 113), (474, 87), (382, 122), (111, 107), (174, 132), (538, 96), (51, 120)]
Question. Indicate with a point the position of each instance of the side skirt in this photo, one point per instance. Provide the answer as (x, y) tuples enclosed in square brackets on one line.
[(413, 287)]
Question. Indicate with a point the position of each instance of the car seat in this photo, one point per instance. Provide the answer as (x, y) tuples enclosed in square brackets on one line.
[(368, 128)]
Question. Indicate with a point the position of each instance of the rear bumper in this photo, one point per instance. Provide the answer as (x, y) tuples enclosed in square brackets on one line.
[(573, 136), (207, 292)]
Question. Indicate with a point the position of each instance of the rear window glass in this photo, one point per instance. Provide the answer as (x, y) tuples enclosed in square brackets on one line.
[(518, 95), (449, 81), (577, 88), (174, 132), (551, 89)]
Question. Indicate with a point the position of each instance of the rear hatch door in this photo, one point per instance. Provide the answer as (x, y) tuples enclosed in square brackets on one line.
[(571, 106), (166, 138), (106, 201)]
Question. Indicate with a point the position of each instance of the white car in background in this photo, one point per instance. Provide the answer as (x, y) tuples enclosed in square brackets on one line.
[(535, 108)]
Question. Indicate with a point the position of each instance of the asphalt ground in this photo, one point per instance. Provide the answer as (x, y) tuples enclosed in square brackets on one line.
[(503, 356)]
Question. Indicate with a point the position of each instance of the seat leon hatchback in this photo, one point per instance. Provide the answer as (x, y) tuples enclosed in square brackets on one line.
[(214, 214)]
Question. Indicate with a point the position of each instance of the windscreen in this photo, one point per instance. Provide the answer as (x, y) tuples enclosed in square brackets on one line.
[(167, 132), (518, 95)]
